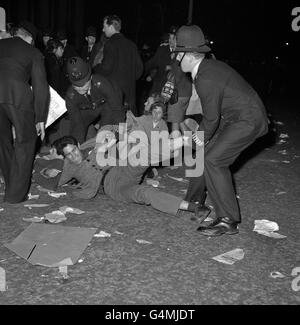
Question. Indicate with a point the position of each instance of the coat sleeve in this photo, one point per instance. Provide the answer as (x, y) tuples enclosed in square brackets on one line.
[(211, 96), (40, 88), (139, 65), (76, 123), (109, 59)]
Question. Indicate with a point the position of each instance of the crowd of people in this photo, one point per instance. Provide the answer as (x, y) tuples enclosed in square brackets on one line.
[(186, 90)]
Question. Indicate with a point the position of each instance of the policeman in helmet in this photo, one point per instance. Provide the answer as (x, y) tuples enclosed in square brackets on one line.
[(91, 97), (233, 118)]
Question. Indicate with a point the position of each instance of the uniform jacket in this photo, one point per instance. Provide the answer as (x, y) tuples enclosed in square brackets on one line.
[(225, 95), (103, 92), (21, 63), (122, 63)]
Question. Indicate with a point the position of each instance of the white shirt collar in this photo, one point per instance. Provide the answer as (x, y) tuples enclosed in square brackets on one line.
[(195, 69)]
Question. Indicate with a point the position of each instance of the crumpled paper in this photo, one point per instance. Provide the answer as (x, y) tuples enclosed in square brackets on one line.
[(57, 195), (267, 228), (66, 209), (55, 217)]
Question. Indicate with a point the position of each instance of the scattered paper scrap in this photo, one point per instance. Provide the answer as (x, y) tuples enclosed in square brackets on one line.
[(33, 197), (63, 271), (183, 191), (34, 219), (57, 195), (1, 209), (66, 209), (267, 228), (286, 162), (2, 280), (81, 260), (230, 257), (142, 241), (277, 275), (119, 233), (280, 193), (55, 217), (102, 234), (284, 136), (30, 206), (1, 180), (152, 182)]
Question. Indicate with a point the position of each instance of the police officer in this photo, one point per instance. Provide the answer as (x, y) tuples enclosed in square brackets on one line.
[(23, 108), (233, 118), (90, 97)]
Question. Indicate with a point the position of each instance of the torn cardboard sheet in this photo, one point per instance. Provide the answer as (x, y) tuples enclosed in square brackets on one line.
[(230, 257), (51, 245)]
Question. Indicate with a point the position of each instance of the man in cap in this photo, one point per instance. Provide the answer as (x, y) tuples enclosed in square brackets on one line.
[(90, 49), (22, 107), (90, 97), (69, 50), (121, 60), (233, 118)]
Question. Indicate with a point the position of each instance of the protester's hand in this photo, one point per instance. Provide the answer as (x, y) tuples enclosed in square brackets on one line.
[(104, 141), (40, 130)]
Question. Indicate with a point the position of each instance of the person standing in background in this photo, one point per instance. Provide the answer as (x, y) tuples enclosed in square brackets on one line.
[(23, 108), (121, 61)]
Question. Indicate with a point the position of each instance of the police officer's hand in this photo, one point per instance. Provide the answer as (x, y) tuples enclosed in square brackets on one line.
[(40, 130)]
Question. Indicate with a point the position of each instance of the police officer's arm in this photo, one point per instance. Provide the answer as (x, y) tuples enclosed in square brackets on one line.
[(40, 88), (211, 96), (76, 123)]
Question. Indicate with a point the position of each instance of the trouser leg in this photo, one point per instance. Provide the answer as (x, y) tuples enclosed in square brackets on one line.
[(22, 156), (159, 200), (231, 141), (6, 144)]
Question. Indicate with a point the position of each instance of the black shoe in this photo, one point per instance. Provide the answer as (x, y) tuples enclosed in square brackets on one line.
[(201, 213), (219, 227)]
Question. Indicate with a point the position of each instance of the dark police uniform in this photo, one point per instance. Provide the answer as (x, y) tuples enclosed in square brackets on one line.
[(104, 100), (233, 118), (22, 108)]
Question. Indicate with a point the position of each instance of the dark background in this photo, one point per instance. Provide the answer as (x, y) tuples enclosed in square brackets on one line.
[(245, 33)]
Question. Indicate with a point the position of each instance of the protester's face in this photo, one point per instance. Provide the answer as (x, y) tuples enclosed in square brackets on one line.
[(84, 89), (46, 39), (107, 29), (73, 154), (148, 103), (91, 40), (157, 114), (59, 52)]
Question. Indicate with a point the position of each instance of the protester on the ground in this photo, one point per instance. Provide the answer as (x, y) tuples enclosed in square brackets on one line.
[(233, 118), (23, 108), (91, 97), (119, 183), (121, 61)]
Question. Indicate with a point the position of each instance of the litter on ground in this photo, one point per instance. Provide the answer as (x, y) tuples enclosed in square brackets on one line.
[(230, 257), (102, 234), (57, 195), (267, 228), (66, 209)]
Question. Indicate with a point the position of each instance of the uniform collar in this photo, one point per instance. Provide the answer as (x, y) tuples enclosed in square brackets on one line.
[(196, 69)]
